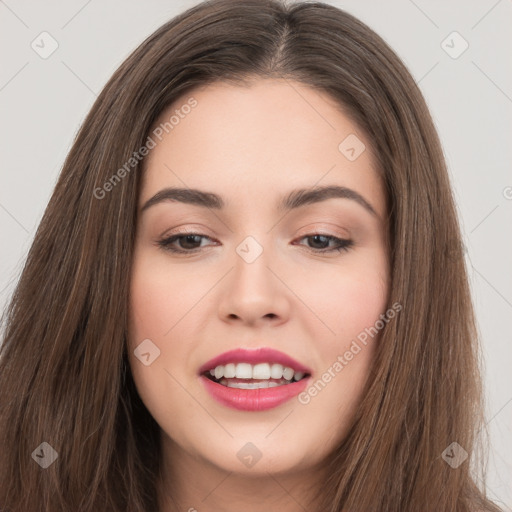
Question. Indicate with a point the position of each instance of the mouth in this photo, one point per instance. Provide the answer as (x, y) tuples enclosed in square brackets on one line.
[(253, 380), (258, 376)]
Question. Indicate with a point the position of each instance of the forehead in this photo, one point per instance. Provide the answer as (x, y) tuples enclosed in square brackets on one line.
[(270, 136)]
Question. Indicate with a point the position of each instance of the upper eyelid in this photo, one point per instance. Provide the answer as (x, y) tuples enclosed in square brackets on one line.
[(175, 236), (203, 235)]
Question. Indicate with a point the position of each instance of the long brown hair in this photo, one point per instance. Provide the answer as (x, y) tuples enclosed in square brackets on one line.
[(64, 374)]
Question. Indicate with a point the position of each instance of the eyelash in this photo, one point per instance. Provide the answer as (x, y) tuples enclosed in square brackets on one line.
[(165, 243)]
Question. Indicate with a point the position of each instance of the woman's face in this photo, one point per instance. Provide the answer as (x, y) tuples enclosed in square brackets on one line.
[(260, 272)]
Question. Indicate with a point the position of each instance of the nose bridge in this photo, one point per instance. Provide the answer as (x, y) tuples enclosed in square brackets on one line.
[(253, 257), (253, 290)]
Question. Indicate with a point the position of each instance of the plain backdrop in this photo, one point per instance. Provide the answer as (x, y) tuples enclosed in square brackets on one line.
[(469, 91)]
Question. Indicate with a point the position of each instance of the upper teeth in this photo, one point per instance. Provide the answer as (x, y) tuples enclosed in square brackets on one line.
[(256, 371)]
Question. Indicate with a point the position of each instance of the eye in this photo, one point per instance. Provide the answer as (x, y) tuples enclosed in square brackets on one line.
[(324, 240), (187, 242)]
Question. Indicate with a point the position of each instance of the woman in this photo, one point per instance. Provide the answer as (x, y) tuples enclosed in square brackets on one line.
[(247, 291)]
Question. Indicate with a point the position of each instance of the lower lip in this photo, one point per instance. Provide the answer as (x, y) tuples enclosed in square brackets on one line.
[(253, 399)]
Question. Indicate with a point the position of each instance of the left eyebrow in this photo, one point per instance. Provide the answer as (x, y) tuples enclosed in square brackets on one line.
[(294, 199), (302, 197)]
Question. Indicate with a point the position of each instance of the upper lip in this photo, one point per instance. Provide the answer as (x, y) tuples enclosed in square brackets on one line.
[(254, 356)]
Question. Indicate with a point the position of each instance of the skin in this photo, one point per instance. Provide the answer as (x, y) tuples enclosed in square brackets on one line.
[(253, 145)]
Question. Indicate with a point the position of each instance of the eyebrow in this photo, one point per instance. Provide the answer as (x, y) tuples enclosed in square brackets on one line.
[(294, 199)]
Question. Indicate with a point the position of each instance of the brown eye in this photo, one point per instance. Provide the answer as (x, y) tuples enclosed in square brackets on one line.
[(320, 243), (187, 242)]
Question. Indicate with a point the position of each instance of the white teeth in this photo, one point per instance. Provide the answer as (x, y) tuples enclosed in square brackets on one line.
[(243, 371), (229, 371), (276, 372), (252, 385), (288, 373), (260, 371), (248, 385)]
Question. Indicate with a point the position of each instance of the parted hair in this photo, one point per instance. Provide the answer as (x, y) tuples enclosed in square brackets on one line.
[(64, 373)]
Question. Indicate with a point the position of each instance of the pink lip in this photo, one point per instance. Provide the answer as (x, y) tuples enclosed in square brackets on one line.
[(253, 356), (253, 399)]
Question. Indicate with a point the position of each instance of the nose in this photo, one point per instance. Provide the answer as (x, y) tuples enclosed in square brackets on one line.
[(254, 292)]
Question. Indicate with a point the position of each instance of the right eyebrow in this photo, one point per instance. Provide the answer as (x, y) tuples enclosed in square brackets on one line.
[(186, 195)]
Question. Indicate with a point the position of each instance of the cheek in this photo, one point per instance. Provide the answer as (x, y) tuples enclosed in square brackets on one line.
[(149, 306), (164, 306), (347, 300), (153, 306), (351, 311), (361, 301), (159, 298)]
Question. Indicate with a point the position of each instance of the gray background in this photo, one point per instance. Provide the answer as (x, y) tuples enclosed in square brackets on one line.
[(43, 102)]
